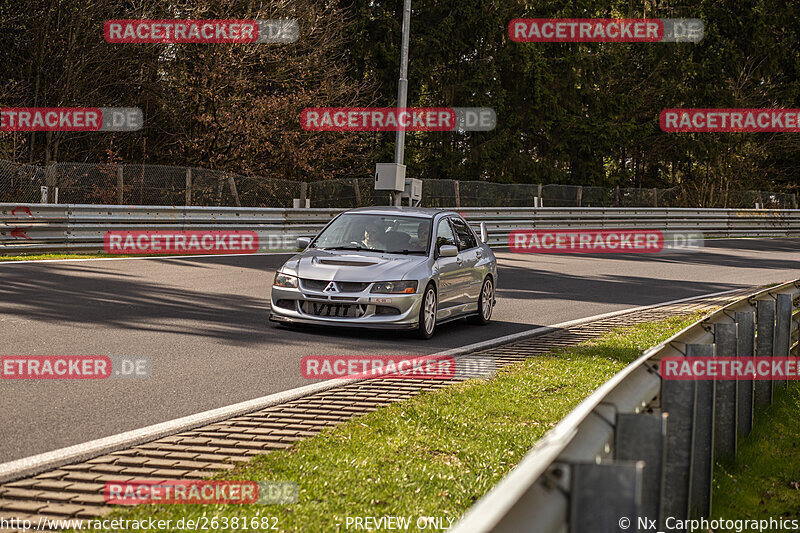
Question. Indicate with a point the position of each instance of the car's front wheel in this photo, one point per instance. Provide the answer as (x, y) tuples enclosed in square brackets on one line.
[(485, 303), (427, 313)]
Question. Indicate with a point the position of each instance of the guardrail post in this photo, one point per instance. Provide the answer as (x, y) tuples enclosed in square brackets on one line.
[(703, 456), (234, 192), (745, 344), (120, 184), (764, 342), (727, 398), (580, 195), (303, 193), (655, 197), (643, 437), (783, 328), (188, 191), (220, 184), (678, 399), (601, 495), (50, 180), (357, 192)]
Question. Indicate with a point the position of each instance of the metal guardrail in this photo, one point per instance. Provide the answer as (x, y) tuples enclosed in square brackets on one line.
[(26, 228), (711, 223), (640, 446)]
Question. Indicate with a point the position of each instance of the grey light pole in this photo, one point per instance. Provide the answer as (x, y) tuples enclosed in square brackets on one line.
[(402, 90)]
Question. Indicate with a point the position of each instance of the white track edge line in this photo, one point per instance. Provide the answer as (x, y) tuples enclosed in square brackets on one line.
[(35, 464)]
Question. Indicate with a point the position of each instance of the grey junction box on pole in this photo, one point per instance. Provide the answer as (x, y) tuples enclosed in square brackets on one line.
[(390, 177)]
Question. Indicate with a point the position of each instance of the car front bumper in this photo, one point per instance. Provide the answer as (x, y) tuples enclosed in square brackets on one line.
[(294, 306)]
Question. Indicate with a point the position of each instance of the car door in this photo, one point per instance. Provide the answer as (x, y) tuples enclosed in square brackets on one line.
[(468, 252), (448, 269)]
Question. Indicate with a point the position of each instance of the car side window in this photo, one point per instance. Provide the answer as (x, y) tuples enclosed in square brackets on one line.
[(444, 234), (466, 239)]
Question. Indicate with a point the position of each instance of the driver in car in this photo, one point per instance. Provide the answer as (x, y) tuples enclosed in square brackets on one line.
[(371, 234)]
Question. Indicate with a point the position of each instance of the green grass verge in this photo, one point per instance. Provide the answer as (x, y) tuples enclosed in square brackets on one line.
[(764, 481), (433, 455), (34, 257)]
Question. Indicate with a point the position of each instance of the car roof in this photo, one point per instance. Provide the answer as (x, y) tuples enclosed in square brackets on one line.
[(428, 212)]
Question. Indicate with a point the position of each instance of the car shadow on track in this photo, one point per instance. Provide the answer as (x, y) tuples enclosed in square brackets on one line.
[(84, 296), (447, 336)]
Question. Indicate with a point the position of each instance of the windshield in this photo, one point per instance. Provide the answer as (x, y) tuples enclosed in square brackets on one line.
[(380, 233)]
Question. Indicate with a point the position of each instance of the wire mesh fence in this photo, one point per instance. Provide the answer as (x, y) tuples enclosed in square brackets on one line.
[(136, 184)]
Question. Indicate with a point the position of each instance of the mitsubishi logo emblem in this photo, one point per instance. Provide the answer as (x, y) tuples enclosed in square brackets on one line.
[(330, 288)]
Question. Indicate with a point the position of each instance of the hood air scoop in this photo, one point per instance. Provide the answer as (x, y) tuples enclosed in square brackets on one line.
[(346, 262)]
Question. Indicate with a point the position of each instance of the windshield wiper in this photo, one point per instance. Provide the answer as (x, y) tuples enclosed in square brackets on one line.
[(408, 252), (354, 248)]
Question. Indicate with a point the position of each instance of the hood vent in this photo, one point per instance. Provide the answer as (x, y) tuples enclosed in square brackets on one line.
[(345, 262)]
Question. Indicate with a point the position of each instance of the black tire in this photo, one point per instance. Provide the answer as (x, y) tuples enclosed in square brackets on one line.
[(425, 330), (485, 304)]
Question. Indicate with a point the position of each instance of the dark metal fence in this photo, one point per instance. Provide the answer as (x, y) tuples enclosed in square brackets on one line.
[(132, 184)]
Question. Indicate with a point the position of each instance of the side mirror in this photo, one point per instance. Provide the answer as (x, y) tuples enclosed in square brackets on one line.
[(448, 251), (484, 232), (302, 243)]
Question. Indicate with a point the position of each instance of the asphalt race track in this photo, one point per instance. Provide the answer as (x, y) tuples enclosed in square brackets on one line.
[(203, 324)]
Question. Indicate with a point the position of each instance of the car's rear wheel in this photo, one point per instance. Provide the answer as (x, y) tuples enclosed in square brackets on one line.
[(485, 303), (427, 313)]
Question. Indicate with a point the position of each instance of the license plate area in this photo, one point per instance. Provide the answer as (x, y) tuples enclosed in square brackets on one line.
[(332, 309)]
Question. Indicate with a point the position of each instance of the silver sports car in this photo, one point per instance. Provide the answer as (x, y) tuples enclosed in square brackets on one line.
[(388, 267)]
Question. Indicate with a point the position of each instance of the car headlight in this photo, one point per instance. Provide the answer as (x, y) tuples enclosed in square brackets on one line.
[(285, 280), (395, 287)]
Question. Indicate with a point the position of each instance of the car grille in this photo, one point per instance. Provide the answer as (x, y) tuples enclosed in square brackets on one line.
[(342, 286), (333, 310), (314, 284), (350, 286)]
